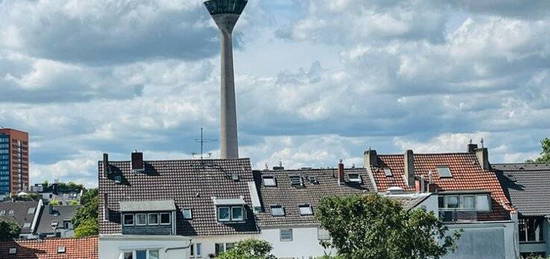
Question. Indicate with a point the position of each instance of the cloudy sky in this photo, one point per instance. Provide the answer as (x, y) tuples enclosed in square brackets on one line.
[(317, 80)]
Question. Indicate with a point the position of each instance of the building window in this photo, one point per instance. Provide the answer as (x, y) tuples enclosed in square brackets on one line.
[(224, 214), (153, 219), (219, 248), (469, 202), (229, 246), (277, 211), (153, 254), (387, 172), (531, 229), (269, 181), (296, 180), (444, 172), (196, 250), (286, 235), (141, 219), (128, 219), (187, 214), (355, 178), (165, 219), (128, 255), (142, 254), (305, 210), (323, 234), (237, 214)]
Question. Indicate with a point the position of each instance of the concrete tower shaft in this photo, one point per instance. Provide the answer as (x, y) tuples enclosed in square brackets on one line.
[(226, 14)]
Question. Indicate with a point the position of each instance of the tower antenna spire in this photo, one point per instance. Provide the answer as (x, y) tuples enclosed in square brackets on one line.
[(203, 142)]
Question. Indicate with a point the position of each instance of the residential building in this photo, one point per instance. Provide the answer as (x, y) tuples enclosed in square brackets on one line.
[(56, 221), (61, 193), (58, 248), (527, 187), (468, 195), (175, 209), (14, 161), (24, 213), (289, 201)]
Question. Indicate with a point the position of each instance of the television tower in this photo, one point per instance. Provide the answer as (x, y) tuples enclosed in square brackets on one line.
[(226, 14)]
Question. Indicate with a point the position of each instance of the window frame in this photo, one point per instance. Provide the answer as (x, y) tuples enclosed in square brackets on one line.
[(242, 217), (137, 215), (228, 219), (124, 219), (149, 219), (286, 239), (446, 168), (294, 183), (277, 207), (169, 218), (308, 206), (359, 179), (269, 177)]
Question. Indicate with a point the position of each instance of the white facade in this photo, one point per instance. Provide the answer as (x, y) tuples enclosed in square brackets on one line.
[(207, 244), (168, 247), (305, 242)]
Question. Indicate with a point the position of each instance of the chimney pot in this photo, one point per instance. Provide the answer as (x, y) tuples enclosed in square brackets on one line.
[(341, 179), (482, 155), (408, 159)]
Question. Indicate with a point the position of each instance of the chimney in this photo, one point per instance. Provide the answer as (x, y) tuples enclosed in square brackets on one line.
[(370, 158), (482, 155), (106, 167), (408, 159), (341, 173), (137, 162), (472, 148)]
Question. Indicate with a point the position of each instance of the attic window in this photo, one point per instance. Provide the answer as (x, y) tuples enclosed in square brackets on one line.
[(355, 178), (387, 172), (444, 171), (295, 180), (312, 179), (187, 214), (305, 210), (61, 250), (269, 181), (11, 212), (277, 211)]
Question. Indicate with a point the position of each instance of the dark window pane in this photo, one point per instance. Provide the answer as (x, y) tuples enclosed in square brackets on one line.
[(141, 254), (128, 255), (165, 218)]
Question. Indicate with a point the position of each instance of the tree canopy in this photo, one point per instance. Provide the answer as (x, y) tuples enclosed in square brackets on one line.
[(9, 230), (375, 227), (249, 249), (85, 220), (544, 154)]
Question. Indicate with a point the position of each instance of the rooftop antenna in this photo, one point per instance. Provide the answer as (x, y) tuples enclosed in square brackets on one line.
[(203, 141), (482, 143), (471, 141)]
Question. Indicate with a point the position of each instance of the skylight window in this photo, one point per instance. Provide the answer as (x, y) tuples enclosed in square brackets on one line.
[(187, 214), (295, 180), (306, 210), (387, 172), (444, 171), (277, 211), (269, 181), (312, 179), (355, 178)]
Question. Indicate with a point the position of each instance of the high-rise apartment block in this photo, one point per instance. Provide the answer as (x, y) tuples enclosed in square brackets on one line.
[(14, 161)]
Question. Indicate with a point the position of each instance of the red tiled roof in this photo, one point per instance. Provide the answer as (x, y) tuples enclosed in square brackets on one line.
[(466, 172), (83, 248)]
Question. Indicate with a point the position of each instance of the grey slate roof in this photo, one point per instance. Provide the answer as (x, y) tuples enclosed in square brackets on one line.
[(20, 214), (135, 206), (527, 186), (190, 183), (291, 197), (60, 213)]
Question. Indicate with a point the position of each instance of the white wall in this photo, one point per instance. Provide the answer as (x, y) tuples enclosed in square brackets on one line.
[(112, 246), (208, 242), (305, 242)]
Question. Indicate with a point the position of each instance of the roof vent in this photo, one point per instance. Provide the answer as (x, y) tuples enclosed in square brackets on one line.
[(395, 190), (137, 162)]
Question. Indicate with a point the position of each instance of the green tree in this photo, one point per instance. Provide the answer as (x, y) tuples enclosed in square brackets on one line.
[(375, 227), (9, 230), (249, 249), (88, 227), (544, 154), (54, 202), (85, 219)]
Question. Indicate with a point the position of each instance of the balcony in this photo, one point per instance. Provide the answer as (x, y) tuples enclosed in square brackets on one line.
[(457, 216)]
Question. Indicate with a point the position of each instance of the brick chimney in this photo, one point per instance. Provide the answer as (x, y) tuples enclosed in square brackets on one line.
[(370, 158), (341, 179), (106, 167), (408, 159), (137, 162), (482, 155)]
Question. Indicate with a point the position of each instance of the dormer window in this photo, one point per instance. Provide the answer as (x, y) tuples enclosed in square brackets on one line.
[(165, 219), (128, 219), (305, 210), (277, 211), (296, 180), (444, 172), (355, 178), (269, 181), (141, 219), (230, 210)]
